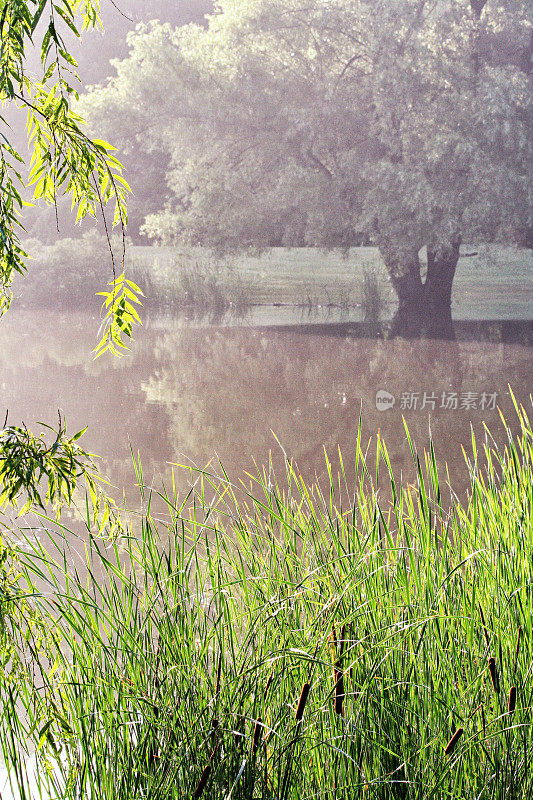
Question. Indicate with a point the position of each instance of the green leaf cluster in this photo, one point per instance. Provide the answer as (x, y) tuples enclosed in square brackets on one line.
[(36, 474), (26, 459), (119, 315)]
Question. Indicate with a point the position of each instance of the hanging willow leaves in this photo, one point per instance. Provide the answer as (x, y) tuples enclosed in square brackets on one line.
[(119, 315), (38, 474), (64, 160)]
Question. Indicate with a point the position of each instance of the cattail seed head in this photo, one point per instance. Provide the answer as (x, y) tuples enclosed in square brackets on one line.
[(238, 735), (450, 747), (342, 642), (257, 736), (215, 732), (338, 675), (219, 675), (202, 783), (302, 701), (512, 699), (494, 674)]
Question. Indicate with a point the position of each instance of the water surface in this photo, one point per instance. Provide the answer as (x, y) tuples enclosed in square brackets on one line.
[(189, 393)]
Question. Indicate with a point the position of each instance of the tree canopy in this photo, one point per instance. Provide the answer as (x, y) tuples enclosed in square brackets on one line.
[(327, 123)]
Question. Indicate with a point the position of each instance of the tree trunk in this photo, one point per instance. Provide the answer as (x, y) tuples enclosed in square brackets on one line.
[(442, 263), (403, 266), (424, 309)]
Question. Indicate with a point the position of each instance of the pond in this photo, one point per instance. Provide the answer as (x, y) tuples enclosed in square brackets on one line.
[(189, 392)]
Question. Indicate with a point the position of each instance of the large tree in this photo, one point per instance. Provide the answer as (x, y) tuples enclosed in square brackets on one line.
[(325, 122)]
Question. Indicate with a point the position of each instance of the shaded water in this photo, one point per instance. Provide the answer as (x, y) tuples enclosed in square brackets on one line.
[(186, 393)]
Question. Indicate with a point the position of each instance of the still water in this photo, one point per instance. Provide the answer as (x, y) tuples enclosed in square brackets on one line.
[(187, 393)]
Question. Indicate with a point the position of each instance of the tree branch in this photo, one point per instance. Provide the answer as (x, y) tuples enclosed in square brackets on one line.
[(348, 64), (318, 163)]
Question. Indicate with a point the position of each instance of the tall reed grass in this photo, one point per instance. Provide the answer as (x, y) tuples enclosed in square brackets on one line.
[(277, 641), (197, 287)]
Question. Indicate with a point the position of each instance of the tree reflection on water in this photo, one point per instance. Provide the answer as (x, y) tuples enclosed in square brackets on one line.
[(189, 394)]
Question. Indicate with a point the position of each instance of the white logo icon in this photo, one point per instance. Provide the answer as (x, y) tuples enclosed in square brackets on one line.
[(384, 400)]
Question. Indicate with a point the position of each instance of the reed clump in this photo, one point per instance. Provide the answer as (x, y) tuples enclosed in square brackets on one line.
[(282, 641)]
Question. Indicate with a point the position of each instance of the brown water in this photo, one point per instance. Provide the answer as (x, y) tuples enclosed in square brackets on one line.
[(185, 394)]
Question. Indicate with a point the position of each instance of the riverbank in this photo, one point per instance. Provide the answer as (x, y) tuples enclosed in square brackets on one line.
[(493, 282)]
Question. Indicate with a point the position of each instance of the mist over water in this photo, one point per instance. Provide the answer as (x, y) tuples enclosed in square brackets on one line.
[(192, 394)]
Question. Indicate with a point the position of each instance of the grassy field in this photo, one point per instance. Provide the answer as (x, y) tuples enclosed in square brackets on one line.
[(281, 641), (496, 283)]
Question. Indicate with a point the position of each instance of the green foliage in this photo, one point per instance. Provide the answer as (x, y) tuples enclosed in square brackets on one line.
[(21, 621), (280, 640), (195, 284), (67, 274), (64, 161), (119, 315), (26, 459), (28, 637), (46, 475), (402, 123), (373, 301)]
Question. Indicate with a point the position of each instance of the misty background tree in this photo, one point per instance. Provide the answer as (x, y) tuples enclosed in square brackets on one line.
[(328, 124)]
